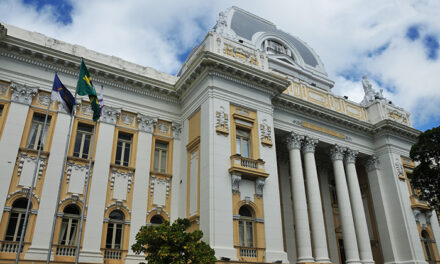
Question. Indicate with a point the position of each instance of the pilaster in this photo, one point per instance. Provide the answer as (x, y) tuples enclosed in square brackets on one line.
[(91, 250), (12, 134), (140, 185)]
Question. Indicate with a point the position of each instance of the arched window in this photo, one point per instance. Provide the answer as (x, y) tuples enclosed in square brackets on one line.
[(275, 47), (156, 220), (246, 226), (114, 230), (69, 225), (16, 220), (426, 241)]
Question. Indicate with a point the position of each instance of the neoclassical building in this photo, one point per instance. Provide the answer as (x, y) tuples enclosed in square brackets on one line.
[(248, 141)]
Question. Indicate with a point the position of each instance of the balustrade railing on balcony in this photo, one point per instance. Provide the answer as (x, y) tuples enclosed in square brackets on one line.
[(66, 250), (113, 253), (248, 167), (9, 247), (248, 252)]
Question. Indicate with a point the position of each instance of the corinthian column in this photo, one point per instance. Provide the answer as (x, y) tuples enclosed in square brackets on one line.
[(348, 230), (360, 222), (314, 197), (301, 217)]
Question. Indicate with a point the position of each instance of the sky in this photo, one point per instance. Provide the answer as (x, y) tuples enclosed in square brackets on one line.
[(395, 42)]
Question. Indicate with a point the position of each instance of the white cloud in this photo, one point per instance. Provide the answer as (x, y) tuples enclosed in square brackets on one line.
[(155, 33)]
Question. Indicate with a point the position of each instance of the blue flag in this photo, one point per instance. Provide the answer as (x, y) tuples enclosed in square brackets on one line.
[(62, 95)]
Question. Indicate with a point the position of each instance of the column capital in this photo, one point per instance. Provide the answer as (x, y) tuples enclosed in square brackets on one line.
[(309, 144), (337, 152), (236, 179), (110, 115), (350, 155), (23, 94), (293, 141), (177, 130), (372, 164), (146, 123)]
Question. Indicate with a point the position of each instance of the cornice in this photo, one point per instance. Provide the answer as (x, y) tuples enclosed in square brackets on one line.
[(387, 126), (221, 66), (62, 62), (308, 108)]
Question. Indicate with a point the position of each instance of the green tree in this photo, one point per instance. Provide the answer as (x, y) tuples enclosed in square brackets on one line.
[(426, 175), (173, 244)]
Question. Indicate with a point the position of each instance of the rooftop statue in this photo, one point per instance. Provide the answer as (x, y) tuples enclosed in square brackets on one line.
[(370, 94)]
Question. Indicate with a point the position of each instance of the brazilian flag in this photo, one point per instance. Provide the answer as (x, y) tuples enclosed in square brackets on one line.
[(85, 87)]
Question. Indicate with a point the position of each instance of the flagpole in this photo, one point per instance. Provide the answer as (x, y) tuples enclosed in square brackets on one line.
[(31, 191), (86, 193), (60, 185)]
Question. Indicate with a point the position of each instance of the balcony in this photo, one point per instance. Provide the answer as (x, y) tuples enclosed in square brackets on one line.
[(69, 251), (113, 254), (10, 246), (247, 167)]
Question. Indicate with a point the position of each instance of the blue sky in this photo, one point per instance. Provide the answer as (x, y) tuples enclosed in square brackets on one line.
[(396, 43)]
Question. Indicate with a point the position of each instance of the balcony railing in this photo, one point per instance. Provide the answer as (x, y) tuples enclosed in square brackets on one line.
[(113, 253), (248, 252), (10, 247), (247, 167), (66, 250)]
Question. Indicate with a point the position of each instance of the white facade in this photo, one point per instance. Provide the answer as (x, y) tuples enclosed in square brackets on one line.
[(248, 142)]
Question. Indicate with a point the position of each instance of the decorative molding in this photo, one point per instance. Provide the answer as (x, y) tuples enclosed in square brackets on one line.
[(222, 28), (116, 173), (309, 144), (86, 109), (127, 119), (71, 165), (110, 115), (118, 204), (158, 210), (23, 94), (222, 121), (43, 99), (146, 123), (74, 198), (337, 152), (3, 89), (235, 180), (399, 169), (259, 185), (177, 130), (372, 164), (266, 134), (25, 157), (163, 128), (294, 141), (25, 193), (350, 155), (153, 181)]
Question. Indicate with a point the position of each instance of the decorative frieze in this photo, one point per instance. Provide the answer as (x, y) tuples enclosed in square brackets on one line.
[(350, 155), (309, 144), (259, 185), (3, 90), (235, 181), (294, 141), (110, 115), (266, 134), (372, 164), (43, 99), (222, 121), (146, 123), (86, 110), (337, 152), (22, 93), (127, 119)]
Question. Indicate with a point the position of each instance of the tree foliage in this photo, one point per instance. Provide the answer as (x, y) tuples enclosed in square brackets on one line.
[(173, 244), (426, 175)]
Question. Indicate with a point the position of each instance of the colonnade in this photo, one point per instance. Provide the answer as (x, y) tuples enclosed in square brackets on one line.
[(307, 203)]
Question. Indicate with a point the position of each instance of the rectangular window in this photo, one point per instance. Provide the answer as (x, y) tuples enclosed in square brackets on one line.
[(243, 142), (37, 134), (123, 149), (82, 141), (160, 156)]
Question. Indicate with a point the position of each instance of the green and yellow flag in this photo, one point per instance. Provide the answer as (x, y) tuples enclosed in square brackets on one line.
[(85, 87)]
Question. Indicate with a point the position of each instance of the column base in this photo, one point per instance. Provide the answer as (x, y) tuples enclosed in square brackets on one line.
[(134, 259), (34, 253), (272, 256), (322, 260), (368, 261), (227, 252), (353, 261), (91, 257), (305, 260)]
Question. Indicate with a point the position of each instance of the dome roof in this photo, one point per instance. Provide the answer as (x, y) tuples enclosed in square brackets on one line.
[(252, 30)]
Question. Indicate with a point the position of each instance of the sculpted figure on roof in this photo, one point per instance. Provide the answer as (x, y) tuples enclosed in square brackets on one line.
[(370, 93)]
